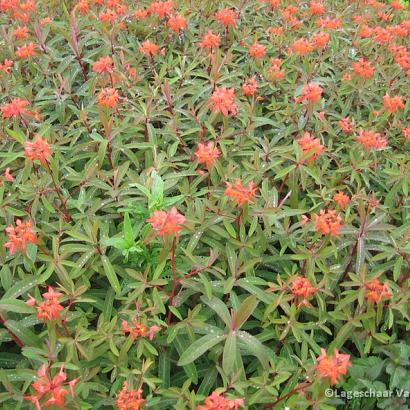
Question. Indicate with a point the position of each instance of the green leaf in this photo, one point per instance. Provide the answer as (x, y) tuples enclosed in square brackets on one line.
[(220, 308), (229, 353), (199, 347), (246, 309), (111, 275), (15, 305), (255, 347)]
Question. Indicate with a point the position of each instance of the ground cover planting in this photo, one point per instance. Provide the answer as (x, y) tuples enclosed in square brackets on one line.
[(204, 204)]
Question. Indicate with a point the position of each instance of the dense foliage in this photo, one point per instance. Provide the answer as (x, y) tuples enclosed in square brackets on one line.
[(204, 204)]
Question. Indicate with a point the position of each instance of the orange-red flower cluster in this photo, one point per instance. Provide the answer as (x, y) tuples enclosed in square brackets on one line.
[(217, 401), (207, 153), (6, 66), (311, 92), (309, 144), (346, 125), (52, 389), (393, 104), (149, 48), (15, 108), (376, 291), (329, 23), (27, 50), (20, 236), (167, 222), (371, 140), (302, 288), (406, 133), (332, 367), (39, 149), (210, 40), (108, 97), (137, 329), (20, 32), (222, 101), (257, 50), (249, 87), (301, 47), (275, 72), (363, 68), (316, 8), (129, 399), (49, 308), (342, 199), (177, 23), (327, 222), (161, 8), (104, 65), (240, 194), (226, 17)]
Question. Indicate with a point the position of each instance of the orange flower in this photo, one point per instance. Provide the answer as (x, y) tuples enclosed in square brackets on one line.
[(45, 21), (135, 329), (108, 97), (49, 308), (104, 65), (363, 68), (371, 140), (346, 125), (320, 40), (249, 87), (257, 51), (8, 176), (141, 14), (396, 5), (210, 40), (39, 149), (308, 144), (301, 47), (53, 389), (327, 22), (149, 48), (27, 50), (310, 92), (240, 194), (332, 367), (161, 8), (177, 23), (273, 3), (167, 222), (207, 153), (16, 108), (129, 399), (342, 199), (327, 222), (83, 7), (217, 401), (20, 32), (406, 133), (376, 291), (108, 16), (365, 31), (6, 66), (275, 31), (222, 101), (20, 236), (393, 104), (226, 17), (301, 287), (275, 71), (316, 8)]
